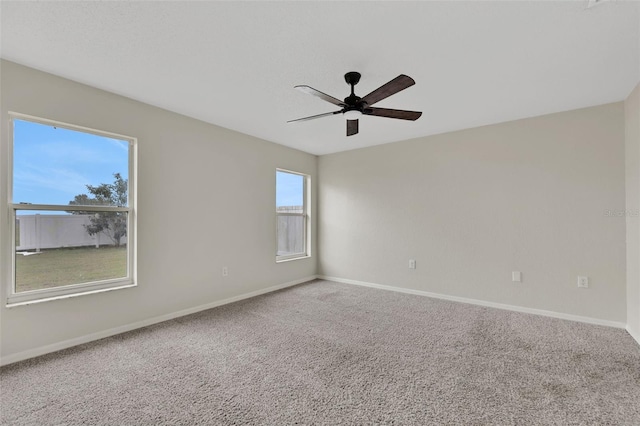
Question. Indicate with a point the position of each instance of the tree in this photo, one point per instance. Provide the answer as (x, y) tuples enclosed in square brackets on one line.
[(111, 224)]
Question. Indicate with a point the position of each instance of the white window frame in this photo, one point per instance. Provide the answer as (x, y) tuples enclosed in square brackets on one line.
[(34, 296), (306, 220)]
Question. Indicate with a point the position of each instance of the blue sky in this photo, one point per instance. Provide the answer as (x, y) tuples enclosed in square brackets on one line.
[(289, 189), (53, 165)]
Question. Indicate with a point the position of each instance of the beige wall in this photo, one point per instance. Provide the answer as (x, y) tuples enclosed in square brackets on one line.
[(474, 205), (632, 156), (470, 207), (184, 166)]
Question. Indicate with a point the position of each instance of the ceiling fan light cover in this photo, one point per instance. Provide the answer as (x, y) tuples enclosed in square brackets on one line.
[(353, 114)]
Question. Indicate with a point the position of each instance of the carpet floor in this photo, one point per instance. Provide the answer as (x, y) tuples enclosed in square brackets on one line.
[(329, 353)]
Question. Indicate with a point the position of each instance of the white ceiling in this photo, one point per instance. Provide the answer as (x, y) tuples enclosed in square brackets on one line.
[(234, 64)]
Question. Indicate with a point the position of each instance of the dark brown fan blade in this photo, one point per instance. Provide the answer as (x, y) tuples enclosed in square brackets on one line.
[(326, 114), (319, 94), (393, 113), (352, 127), (399, 83)]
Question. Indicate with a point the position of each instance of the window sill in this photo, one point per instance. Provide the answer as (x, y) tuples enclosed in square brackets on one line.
[(13, 304), (289, 259)]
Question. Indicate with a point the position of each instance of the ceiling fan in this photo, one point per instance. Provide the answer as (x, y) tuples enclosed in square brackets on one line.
[(353, 107)]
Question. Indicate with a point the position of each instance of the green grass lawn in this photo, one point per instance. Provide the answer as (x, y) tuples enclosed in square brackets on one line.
[(58, 267)]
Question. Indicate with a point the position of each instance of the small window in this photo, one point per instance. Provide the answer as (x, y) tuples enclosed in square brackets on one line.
[(292, 215), (72, 203)]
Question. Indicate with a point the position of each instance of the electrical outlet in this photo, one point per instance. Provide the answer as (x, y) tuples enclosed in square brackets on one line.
[(583, 282), (516, 276), (225, 271), (412, 264)]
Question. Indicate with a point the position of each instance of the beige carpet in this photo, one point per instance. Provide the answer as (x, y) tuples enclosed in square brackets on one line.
[(328, 353)]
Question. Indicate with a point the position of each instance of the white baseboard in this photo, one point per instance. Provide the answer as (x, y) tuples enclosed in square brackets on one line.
[(634, 333), (541, 312), (32, 353)]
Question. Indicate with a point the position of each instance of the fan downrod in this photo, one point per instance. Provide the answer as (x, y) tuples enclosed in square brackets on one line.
[(352, 78)]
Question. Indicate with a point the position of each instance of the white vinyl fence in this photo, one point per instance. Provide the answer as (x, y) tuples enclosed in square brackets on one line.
[(291, 230), (44, 231)]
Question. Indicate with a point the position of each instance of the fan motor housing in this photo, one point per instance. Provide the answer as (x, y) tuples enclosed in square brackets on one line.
[(352, 101)]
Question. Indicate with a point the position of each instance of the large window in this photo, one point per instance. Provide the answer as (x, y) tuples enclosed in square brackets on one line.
[(292, 215), (71, 194)]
